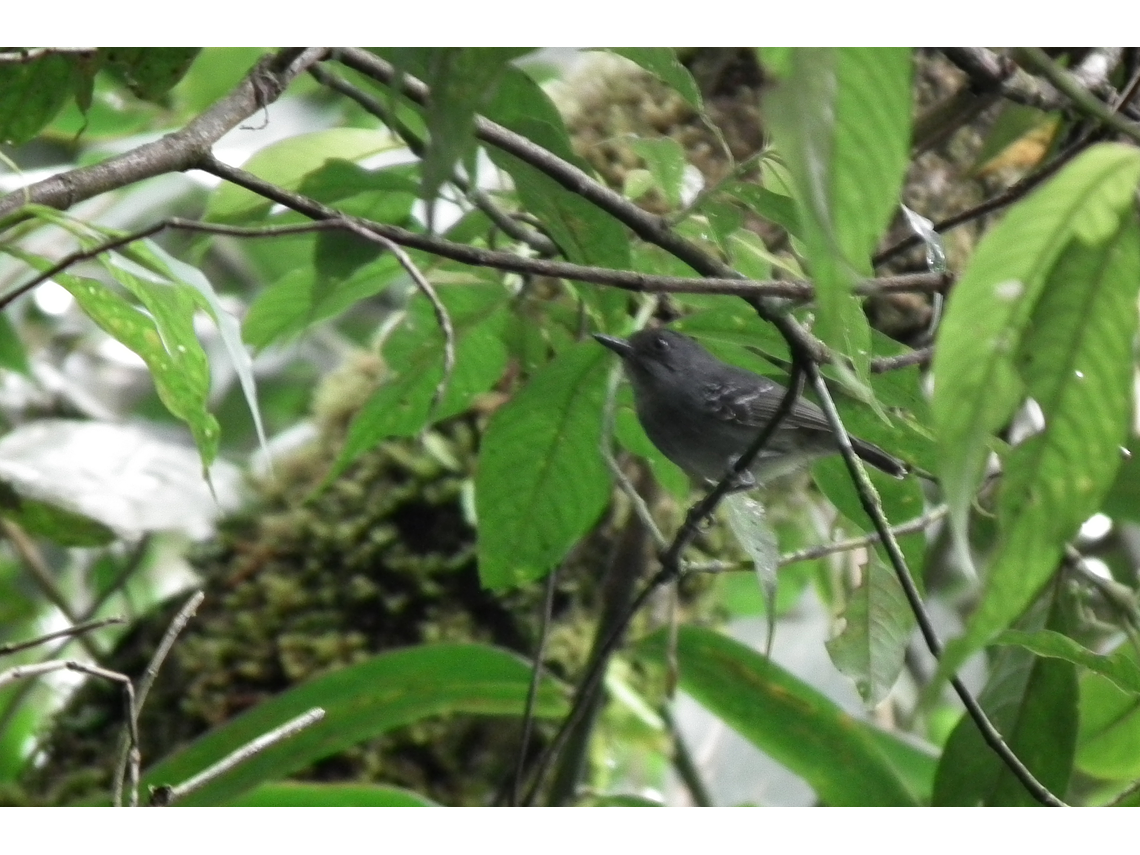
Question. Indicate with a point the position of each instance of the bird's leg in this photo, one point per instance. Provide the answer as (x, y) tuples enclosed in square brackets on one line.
[(740, 481)]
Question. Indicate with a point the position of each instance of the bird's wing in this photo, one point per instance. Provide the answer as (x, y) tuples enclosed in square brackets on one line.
[(752, 404)]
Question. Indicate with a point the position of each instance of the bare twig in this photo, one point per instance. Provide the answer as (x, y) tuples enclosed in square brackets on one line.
[(134, 757), (989, 71), (168, 795), (1081, 98), (441, 316), (869, 498), (70, 632), (44, 579), (172, 632), (23, 56), (532, 688)]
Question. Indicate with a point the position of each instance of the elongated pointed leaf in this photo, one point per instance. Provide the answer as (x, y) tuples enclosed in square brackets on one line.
[(541, 481), (360, 702), (1073, 355), (976, 387), (1033, 704), (1119, 666), (840, 117), (847, 761)]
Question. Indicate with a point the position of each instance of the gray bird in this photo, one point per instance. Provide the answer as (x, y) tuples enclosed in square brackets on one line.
[(703, 414)]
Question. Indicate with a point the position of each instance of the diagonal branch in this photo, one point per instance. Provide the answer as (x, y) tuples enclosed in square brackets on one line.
[(869, 498), (177, 151)]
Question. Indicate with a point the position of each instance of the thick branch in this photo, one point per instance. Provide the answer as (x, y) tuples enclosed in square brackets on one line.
[(176, 151)]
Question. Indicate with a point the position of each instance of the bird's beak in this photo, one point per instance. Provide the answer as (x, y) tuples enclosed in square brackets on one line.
[(618, 345)]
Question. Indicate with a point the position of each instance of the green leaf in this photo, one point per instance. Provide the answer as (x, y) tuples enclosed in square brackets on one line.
[(287, 163), (541, 482), (976, 387), (360, 702), (1119, 666), (1033, 704), (878, 624), (584, 233), (414, 353), (1109, 737), (772, 206), (1073, 354), (462, 82), (846, 761), (31, 94), (177, 355), (301, 299), (164, 339), (12, 353), (665, 159), (149, 72), (663, 64), (840, 117), (312, 794), (149, 253)]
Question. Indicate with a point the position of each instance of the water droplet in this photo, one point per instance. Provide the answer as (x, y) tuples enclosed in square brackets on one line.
[(1125, 453), (1080, 375)]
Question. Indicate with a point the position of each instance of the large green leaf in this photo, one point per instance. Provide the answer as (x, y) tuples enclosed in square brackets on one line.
[(1119, 666), (415, 358), (300, 299), (1073, 354), (541, 481), (846, 761), (976, 387), (840, 117), (32, 93), (462, 82), (164, 337), (878, 624), (584, 233), (663, 64), (1033, 704), (1109, 737), (360, 702)]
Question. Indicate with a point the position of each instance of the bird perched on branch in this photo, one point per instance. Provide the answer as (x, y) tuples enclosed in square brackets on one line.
[(703, 414)]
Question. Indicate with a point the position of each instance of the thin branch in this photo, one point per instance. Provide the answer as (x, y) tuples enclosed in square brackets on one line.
[(177, 151), (24, 56), (648, 227), (1081, 98), (168, 795), (822, 550), (509, 225), (872, 506), (70, 632), (44, 578), (441, 316), (991, 72), (685, 764), (134, 757), (532, 688), (172, 632)]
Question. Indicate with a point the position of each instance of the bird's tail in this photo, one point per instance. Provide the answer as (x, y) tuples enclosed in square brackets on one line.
[(879, 458)]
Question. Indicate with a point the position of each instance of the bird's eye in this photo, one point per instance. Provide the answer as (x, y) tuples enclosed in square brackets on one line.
[(660, 344)]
